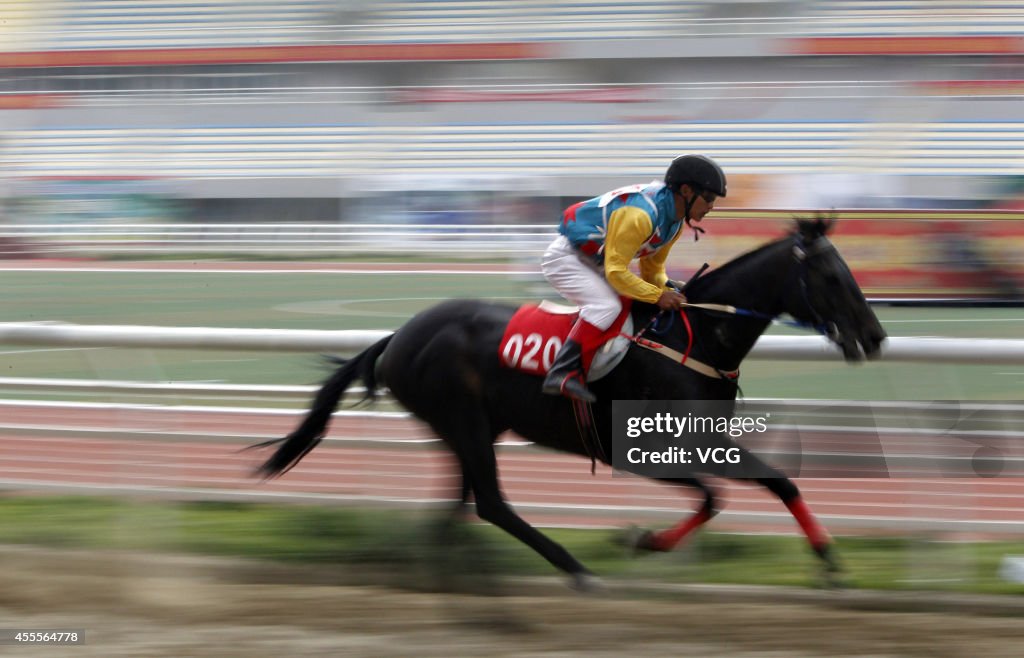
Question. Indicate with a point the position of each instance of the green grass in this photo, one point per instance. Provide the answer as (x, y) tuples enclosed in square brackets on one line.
[(393, 540)]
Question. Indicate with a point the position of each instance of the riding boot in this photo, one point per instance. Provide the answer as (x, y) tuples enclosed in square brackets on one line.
[(566, 374)]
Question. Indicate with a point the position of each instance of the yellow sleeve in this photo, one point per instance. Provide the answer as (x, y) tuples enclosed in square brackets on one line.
[(628, 229), (652, 268)]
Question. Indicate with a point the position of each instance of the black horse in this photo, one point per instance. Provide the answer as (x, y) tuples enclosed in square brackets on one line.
[(444, 367)]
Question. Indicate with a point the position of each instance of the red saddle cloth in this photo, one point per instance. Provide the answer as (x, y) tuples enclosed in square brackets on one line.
[(537, 331)]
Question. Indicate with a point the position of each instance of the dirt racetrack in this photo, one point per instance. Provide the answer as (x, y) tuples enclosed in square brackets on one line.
[(169, 606)]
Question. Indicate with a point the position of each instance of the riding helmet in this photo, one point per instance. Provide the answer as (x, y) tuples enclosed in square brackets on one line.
[(698, 171)]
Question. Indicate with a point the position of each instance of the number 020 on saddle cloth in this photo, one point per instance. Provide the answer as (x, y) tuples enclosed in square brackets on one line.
[(537, 331)]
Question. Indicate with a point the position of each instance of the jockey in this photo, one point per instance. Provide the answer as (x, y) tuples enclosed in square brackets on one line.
[(588, 263)]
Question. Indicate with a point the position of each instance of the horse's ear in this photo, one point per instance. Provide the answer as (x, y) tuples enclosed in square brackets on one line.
[(812, 228), (827, 221)]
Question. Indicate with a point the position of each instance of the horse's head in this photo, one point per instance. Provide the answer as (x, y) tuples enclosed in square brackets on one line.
[(828, 296)]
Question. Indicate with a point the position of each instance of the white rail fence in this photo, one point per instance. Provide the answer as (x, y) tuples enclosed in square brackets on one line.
[(803, 348)]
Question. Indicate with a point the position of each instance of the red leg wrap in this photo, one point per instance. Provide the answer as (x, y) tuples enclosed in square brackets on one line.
[(668, 539), (816, 534), (590, 339)]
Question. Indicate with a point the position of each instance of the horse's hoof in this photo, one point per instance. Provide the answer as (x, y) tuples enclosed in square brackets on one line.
[(833, 582), (587, 583), (831, 570), (832, 577), (635, 539)]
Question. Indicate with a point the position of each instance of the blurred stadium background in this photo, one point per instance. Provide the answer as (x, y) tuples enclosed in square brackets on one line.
[(283, 128), (150, 150)]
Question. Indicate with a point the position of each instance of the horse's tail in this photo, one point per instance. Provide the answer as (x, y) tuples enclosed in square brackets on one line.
[(306, 437)]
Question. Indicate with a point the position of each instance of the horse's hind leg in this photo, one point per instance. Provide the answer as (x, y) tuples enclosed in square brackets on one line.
[(453, 515), (463, 562), (474, 447)]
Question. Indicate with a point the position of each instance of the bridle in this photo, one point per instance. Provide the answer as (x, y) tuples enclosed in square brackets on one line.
[(803, 253)]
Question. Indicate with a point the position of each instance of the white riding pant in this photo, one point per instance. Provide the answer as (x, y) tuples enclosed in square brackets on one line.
[(581, 282)]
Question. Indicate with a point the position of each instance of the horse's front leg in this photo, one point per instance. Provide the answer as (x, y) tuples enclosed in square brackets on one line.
[(776, 481), (817, 536)]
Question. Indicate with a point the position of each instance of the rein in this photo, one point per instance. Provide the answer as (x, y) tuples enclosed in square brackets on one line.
[(820, 327), (801, 252)]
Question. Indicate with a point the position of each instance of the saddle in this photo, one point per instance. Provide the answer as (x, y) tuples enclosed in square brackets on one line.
[(537, 331)]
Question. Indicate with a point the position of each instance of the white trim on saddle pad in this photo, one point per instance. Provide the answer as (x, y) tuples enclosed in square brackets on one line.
[(555, 308)]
